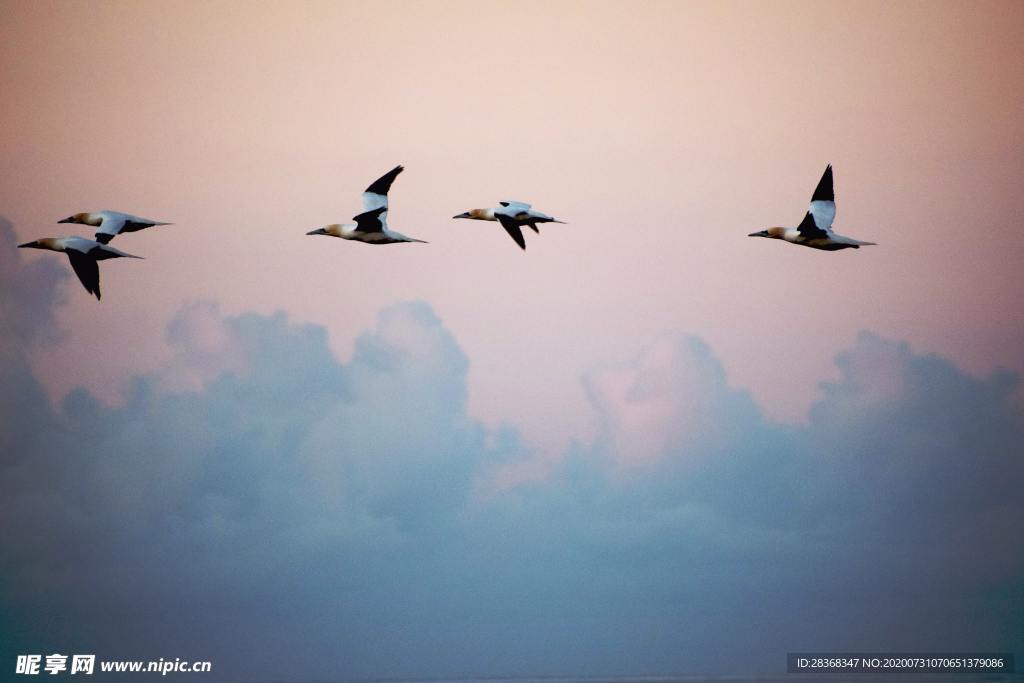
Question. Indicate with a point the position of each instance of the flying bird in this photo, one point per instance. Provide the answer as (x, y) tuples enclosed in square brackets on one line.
[(512, 216), (84, 254), (371, 226), (815, 230), (111, 223)]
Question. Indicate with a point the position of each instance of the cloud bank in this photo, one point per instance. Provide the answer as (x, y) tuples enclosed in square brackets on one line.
[(290, 516)]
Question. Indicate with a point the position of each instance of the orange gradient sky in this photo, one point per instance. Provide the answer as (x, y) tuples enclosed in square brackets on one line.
[(663, 132)]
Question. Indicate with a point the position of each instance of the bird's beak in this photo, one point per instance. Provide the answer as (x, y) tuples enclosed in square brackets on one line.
[(318, 231), (763, 233), (462, 215), (29, 245), (65, 220)]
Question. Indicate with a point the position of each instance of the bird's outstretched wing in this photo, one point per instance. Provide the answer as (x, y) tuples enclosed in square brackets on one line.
[(512, 228), (374, 217), (518, 211), (87, 270), (376, 195), (372, 221), (818, 221), (823, 201), (110, 227), (114, 223)]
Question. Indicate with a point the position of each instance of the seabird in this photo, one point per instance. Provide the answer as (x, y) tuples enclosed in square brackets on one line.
[(512, 216), (371, 226), (815, 230), (84, 255), (111, 223)]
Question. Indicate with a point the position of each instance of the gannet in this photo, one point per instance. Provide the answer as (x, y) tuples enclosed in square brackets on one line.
[(815, 230), (84, 255), (512, 216), (111, 223), (371, 226)]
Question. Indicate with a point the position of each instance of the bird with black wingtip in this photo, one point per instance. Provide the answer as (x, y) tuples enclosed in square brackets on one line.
[(371, 226), (84, 254), (815, 230), (110, 224), (513, 216)]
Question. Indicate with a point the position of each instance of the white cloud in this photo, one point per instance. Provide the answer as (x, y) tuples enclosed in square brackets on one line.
[(667, 401)]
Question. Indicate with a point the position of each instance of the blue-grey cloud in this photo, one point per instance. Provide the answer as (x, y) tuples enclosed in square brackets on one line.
[(31, 292), (289, 516)]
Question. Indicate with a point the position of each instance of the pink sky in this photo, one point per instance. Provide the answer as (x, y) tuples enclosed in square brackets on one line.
[(662, 132)]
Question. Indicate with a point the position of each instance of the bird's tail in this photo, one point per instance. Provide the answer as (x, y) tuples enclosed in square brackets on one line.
[(110, 252)]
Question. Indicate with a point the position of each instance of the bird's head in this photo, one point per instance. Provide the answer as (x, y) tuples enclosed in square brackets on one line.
[(477, 214), (49, 243), (771, 233), (80, 218), (333, 230)]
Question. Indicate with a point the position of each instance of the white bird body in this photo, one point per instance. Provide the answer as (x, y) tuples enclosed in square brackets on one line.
[(110, 224), (815, 230), (833, 241), (371, 226), (84, 255), (522, 213), (512, 215), (351, 231)]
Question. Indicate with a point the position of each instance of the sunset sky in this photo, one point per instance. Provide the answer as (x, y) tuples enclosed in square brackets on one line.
[(645, 357)]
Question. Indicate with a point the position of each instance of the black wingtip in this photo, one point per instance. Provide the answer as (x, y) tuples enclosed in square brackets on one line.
[(371, 216), (383, 184), (824, 190), (809, 229), (512, 228)]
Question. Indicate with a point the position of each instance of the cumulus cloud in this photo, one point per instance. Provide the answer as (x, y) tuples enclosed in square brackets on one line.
[(204, 346), (289, 516), (31, 292), (669, 399)]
